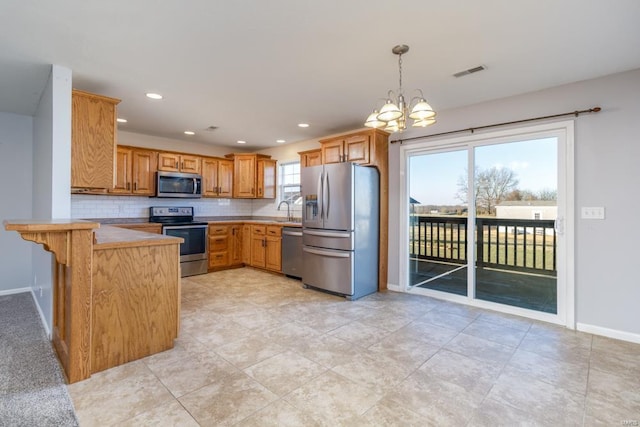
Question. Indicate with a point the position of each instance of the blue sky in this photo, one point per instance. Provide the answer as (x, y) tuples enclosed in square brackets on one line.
[(433, 178)]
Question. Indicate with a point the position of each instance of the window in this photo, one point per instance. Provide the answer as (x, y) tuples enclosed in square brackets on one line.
[(290, 183)]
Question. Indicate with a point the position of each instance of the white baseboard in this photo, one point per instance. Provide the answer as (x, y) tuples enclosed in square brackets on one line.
[(42, 318), (609, 333), (394, 288), (15, 291)]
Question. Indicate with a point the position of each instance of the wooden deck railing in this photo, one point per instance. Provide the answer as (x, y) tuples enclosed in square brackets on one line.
[(511, 244)]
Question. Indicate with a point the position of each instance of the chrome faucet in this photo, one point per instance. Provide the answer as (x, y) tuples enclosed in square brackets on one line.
[(288, 209)]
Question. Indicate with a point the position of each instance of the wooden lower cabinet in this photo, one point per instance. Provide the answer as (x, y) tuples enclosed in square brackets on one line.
[(235, 245), (273, 248), (258, 247), (246, 244), (266, 247), (225, 246)]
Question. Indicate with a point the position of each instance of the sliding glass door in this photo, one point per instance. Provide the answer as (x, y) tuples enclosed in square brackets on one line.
[(486, 220), (437, 222)]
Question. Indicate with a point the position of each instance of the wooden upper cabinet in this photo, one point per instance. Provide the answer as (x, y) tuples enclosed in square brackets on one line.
[(266, 179), (332, 151), (225, 178), (310, 158), (175, 162), (244, 175), (135, 171), (356, 148), (93, 141), (217, 175), (249, 182), (143, 172), (122, 180)]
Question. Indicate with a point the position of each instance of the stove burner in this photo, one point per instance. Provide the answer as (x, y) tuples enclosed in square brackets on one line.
[(172, 215)]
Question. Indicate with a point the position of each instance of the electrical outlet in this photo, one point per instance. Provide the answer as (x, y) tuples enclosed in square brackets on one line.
[(593, 212)]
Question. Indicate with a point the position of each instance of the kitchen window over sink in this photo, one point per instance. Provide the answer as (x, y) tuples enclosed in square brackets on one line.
[(290, 183)]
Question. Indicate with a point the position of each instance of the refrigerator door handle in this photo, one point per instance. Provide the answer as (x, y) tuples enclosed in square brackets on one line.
[(326, 253), (326, 196), (326, 233), (319, 195)]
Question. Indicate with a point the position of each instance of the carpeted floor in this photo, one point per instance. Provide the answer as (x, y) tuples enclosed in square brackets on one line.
[(32, 387)]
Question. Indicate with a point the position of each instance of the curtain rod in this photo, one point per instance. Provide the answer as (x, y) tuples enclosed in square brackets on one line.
[(473, 129)]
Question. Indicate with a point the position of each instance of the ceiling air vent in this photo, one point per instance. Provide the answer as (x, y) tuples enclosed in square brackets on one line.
[(470, 71)]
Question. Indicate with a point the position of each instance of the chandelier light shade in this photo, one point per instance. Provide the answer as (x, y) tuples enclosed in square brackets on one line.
[(393, 115)]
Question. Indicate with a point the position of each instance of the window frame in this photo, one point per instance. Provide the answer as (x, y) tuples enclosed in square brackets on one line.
[(283, 182)]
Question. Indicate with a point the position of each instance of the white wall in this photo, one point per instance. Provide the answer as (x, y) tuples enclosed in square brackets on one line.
[(16, 169), (51, 174), (606, 174), (155, 142)]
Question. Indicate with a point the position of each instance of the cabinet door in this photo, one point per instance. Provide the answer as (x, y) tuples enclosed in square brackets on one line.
[(246, 244), (273, 254), (123, 171), (190, 164), (93, 140), (225, 178), (357, 149), (266, 182), (169, 162), (235, 244), (210, 186), (258, 245), (244, 176), (332, 151), (311, 158), (144, 172)]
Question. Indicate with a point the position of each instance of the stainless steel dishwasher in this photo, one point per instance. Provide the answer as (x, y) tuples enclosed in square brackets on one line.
[(292, 251)]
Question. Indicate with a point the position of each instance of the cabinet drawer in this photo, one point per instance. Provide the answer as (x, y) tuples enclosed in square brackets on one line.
[(274, 230), (217, 243), (218, 259), (258, 230), (218, 229)]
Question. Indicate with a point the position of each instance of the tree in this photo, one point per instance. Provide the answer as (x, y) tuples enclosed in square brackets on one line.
[(492, 187)]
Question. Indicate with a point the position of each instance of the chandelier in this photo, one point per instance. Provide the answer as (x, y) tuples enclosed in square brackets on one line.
[(392, 117)]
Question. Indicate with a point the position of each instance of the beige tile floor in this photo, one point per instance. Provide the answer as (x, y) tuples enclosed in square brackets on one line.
[(256, 349)]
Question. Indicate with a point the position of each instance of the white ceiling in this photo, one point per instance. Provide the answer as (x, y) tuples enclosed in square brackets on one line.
[(257, 68)]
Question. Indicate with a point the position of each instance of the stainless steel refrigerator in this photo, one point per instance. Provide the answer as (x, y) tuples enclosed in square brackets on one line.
[(340, 223)]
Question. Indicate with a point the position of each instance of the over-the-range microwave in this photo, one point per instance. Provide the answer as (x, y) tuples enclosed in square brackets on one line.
[(178, 184)]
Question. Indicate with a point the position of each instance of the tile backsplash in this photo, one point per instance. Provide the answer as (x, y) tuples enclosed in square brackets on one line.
[(96, 206)]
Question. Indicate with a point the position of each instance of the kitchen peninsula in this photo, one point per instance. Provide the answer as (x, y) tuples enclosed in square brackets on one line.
[(116, 292)]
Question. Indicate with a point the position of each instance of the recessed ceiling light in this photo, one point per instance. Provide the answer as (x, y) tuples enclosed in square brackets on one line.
[(119, 120), (154, 95), (242, 142), (303, 125), (280, 141), (189, 132)]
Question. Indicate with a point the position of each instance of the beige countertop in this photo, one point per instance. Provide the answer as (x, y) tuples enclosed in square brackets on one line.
[(209, 219), (48, 225), (108, 237)]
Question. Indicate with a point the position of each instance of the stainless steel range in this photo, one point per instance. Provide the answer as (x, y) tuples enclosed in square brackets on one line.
[(178, 222)]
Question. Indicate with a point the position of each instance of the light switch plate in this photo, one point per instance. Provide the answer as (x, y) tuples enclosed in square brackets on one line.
[(593, 212)]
